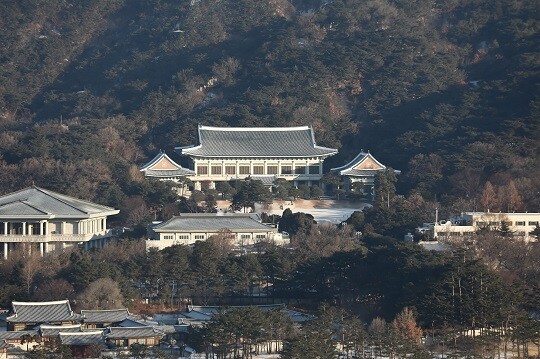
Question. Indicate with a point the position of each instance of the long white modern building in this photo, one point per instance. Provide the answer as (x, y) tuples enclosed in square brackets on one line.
[(187, 228), (230, 153), (519, 224), (36, 219)]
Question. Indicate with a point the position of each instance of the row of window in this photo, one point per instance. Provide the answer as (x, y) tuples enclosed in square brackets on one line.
[(259, 170), (201, 236), (509, 223), (459, 234)]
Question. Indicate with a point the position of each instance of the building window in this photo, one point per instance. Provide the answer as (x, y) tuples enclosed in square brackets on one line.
[(300, 170), (243, 170), (533, 223), (216, 170), (520, 223), (493, 223), (245, 236), (258, 170), (272, 170), (286, 170), (202, 170), (314, 170), (168, 237), (260, 236), (183, 236), (230, 170), (199, 236)]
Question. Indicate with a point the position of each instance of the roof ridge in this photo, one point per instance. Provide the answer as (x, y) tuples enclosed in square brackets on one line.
[(156, 158), (21, 190), (33, 206), (55, 196), (252, 129), (52, 326), (64, 301), (42, 190)]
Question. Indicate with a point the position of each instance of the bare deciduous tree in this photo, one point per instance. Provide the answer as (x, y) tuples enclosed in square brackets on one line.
[(103, 293)]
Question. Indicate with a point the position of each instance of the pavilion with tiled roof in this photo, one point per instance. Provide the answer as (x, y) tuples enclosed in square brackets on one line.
[(164, 168), (124, 337), (187, 228), (27, 315), (235, 153), (83, 344), (48, 332), (361, 169), (103, 318), (42, 220)]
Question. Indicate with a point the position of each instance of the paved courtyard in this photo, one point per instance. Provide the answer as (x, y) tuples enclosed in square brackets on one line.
[(332, 211)]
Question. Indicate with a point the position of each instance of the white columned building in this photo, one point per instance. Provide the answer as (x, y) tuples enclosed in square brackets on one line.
[(36, 219)]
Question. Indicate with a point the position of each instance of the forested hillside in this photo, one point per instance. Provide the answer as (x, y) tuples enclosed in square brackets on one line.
[(446, 91)]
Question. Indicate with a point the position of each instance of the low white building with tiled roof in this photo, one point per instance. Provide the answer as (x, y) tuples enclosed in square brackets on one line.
[(27, 315), (36, 219), (232, 153), (187, 228)]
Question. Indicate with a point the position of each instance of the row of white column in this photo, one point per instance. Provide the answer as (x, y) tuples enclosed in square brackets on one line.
[(43, 248), (27, 228)]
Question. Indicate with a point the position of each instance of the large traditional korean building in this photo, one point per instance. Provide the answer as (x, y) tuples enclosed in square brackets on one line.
[(36, 219), (230, 153)]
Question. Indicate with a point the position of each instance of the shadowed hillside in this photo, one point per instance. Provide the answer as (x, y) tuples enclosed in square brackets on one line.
[(446, 91)]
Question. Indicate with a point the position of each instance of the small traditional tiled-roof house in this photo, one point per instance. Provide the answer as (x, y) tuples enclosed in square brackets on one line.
[(50, 332), (187, 228), (18, 337), (83, 344), (27, 315), (124, 337), (103, 318)]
